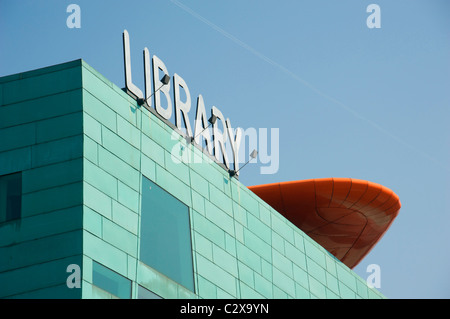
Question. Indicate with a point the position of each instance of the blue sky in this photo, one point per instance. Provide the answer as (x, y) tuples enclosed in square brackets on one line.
[(349, 101)]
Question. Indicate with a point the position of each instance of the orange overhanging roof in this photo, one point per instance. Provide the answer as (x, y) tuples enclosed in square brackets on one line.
[(346, 216)]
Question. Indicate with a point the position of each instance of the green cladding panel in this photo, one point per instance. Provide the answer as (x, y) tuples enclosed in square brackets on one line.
[(85, 156), (41, 139)]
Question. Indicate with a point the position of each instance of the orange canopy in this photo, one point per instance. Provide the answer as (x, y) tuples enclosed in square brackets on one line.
[(346, 216)]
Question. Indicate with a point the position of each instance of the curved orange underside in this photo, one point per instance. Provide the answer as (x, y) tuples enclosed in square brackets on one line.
[(346, 216)]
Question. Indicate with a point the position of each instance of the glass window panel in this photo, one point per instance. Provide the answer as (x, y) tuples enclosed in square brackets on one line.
[(166, 234), (111, 281), (10, 197), (144, 293)]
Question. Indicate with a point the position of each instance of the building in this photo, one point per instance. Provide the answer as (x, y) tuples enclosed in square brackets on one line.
[(82, 167)]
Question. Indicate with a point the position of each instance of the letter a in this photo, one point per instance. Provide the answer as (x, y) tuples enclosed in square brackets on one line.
[(73, 20), (374, 20), (74, 279), (374, 279)]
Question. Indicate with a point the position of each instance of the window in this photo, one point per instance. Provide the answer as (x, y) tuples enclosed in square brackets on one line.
[(10, 197), (166, 234), (146, 294), (111, 281)]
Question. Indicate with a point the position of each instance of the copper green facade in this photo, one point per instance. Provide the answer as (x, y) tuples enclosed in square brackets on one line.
[(83, 147)]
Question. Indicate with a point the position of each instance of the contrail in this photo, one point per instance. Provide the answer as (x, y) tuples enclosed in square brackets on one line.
[(302, 81)]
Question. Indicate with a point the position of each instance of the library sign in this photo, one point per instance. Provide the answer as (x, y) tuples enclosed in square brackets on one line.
[(181, 108)]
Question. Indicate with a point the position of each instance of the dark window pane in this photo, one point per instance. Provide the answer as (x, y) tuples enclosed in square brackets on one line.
[(111, 281), (10, 197), (166, 234)]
